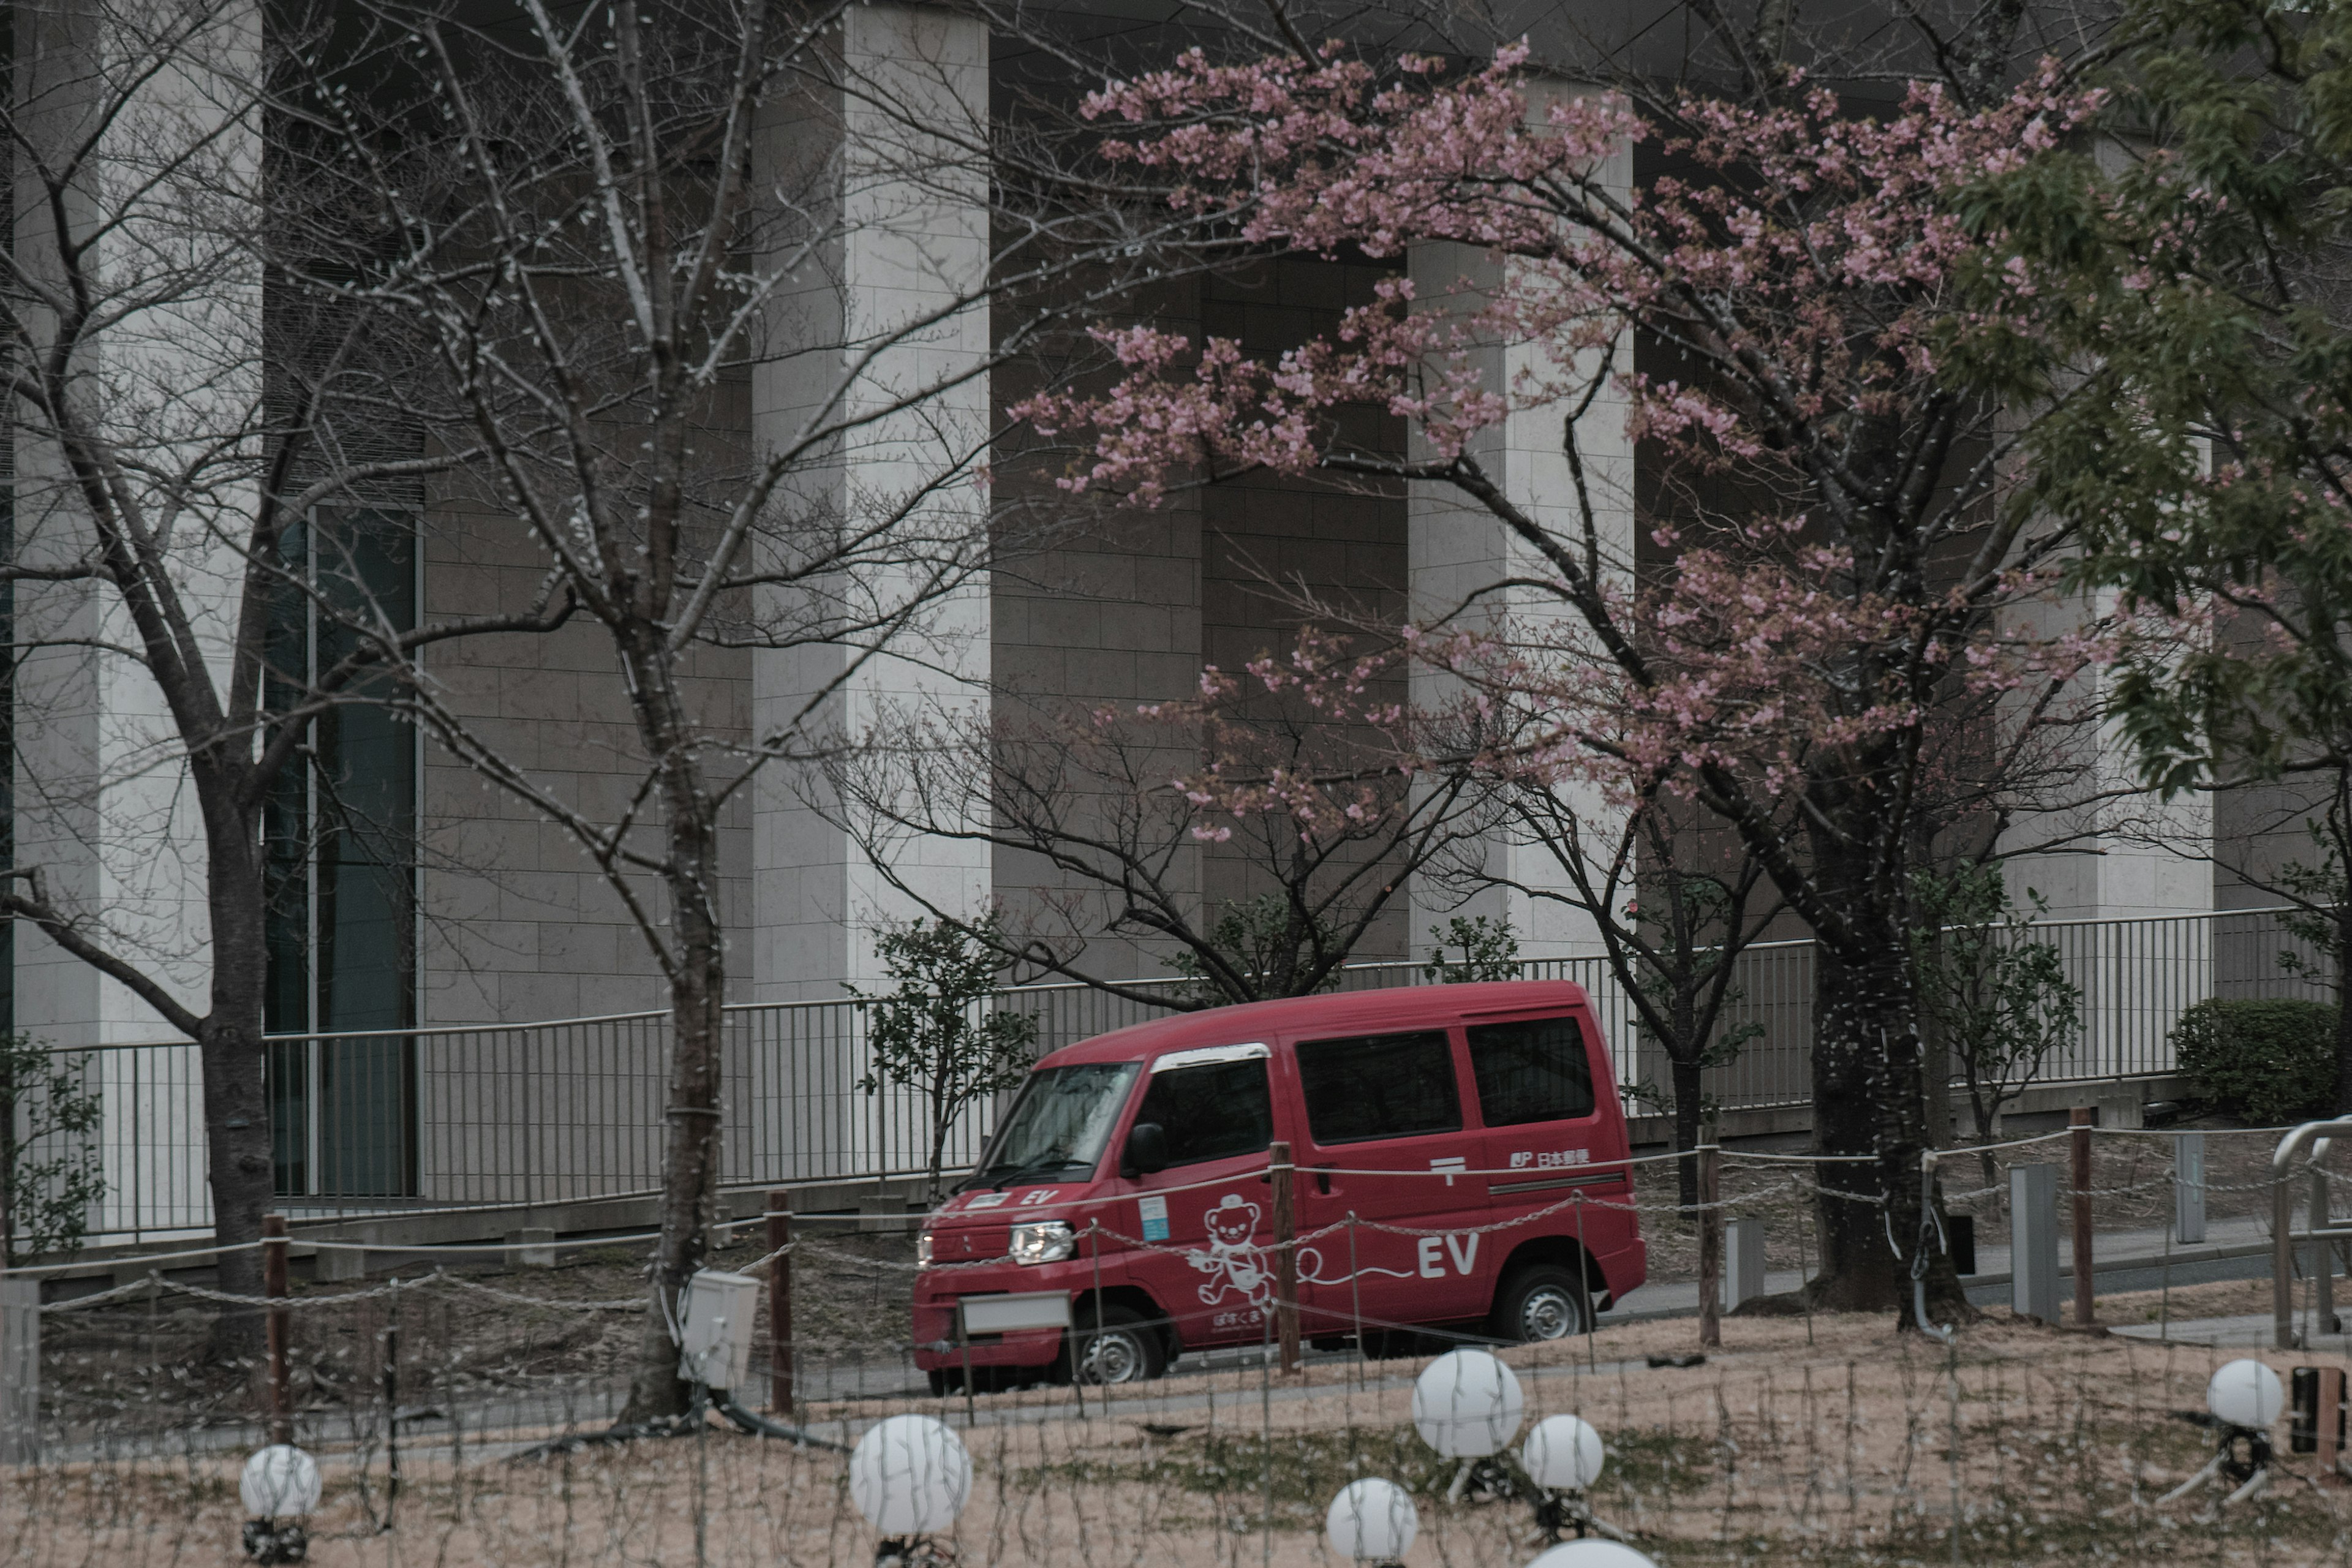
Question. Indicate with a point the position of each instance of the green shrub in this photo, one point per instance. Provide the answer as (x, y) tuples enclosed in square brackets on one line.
[(2268, 1061)]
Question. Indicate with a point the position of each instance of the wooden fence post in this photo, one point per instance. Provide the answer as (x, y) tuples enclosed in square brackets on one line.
[(1710, 1247), (1286, 1255), (2078, 1120), (273, 1285), (780, 1303)]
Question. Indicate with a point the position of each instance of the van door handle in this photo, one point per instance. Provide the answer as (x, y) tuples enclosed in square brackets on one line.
[(1323, 1179)]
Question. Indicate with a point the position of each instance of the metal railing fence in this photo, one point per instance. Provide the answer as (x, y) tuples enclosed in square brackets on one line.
[(547, 1113)]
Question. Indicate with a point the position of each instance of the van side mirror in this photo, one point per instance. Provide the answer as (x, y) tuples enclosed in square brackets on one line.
[(1146, 1150)]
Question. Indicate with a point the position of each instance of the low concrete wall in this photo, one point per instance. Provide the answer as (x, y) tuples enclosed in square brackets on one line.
[(2119, 1102)]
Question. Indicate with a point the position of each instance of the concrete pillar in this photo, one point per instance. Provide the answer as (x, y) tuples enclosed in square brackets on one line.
[(880, 190), (20, 1369), (2121, 865), (100, 788), (1743, 1262), (2188, 1189), (1457, 547), (2034, 1241)]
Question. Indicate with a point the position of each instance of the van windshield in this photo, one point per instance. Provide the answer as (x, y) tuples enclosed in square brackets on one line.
[(1058, 1126)]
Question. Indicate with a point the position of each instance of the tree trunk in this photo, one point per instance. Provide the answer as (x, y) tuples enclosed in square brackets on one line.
[(1867, 1101), (1689, 1105), (230, 1044), (698, 995)]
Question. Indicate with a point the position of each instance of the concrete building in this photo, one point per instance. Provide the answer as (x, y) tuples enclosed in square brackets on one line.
[(433, 901)]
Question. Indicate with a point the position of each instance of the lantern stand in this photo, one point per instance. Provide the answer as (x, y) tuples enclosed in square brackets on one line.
[(1563, 1457), (2242, 1403), (279, 1489), (2251, 1474), (1466, 1406), (1557, 1513)]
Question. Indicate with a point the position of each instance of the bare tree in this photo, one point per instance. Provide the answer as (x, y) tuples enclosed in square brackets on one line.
[(617, 229), (1673, 908), (1305, 774), (187, 438)]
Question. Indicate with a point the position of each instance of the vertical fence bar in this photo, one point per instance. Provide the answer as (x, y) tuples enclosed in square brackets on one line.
[(2078, 1120), (2322, 1248), (1710, 1248), (1286, 1255), (780, 1303)]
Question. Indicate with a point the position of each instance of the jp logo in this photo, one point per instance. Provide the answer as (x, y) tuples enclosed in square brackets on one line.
[(1234, 1264)]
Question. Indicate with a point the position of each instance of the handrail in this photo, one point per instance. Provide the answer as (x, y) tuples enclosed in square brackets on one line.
[(2282, 1222), (662, 1015)]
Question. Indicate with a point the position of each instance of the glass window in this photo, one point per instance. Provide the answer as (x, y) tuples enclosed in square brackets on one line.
[(1211, 1112), (1378, 1086), (1056, 1129), (1530, 1070)]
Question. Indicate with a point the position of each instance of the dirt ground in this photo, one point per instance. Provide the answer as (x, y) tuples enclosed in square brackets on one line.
[(1834, 1441)]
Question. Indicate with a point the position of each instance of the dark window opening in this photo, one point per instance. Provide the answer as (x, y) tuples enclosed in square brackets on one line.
[(1212, 1111), (340, 828), (1378, 1086), (1531, 1070)]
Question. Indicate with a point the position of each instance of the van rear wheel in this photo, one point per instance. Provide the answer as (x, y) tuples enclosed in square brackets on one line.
[(1541, 1301), (1124, 1347)]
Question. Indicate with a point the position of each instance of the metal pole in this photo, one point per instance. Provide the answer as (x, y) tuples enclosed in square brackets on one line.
[(2079, 1120), (2322, 1250), (2282, 1249), (1285, 1255), (1710, 1250), (391, 1403), (273, 1285), (780, 1303), (2282, 1222)]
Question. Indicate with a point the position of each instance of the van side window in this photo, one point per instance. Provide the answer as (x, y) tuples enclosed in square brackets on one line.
[(1211, 1112), (1378, 1086), (1534, 1071)]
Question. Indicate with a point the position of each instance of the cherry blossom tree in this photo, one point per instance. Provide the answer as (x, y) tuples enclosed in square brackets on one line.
[(1842, 559)]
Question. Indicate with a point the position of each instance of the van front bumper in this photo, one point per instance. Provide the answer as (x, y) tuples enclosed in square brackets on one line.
[(937, 1297)]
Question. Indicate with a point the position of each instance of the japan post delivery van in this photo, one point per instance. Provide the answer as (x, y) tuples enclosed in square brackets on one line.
[(1458, 1154)]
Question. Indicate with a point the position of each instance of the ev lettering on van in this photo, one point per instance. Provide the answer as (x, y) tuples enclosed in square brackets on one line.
[(1432, 1250), (1042, 1195)]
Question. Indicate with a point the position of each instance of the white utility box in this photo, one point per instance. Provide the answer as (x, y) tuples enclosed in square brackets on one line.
[(715, 1328)]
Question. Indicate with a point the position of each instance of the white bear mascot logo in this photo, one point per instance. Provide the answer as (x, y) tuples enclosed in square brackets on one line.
[(1234, 1265)]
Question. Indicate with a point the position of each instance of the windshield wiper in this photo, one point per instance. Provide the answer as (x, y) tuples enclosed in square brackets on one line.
[(1002, 1179)]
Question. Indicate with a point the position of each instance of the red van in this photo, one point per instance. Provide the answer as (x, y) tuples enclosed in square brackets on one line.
[(1127, 1189)]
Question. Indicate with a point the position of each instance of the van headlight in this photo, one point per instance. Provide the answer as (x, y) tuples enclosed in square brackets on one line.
[(1046, 1241), (923, 1250)]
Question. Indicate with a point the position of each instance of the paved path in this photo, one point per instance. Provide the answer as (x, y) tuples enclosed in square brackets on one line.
[(2123, 1260)]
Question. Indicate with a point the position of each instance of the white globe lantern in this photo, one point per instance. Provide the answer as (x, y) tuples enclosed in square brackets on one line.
[(2245, 1393), (1563, 1454), (1591, 1553), (1467, 1404), (280, 1481), (1371, 1521), (910, 1475)]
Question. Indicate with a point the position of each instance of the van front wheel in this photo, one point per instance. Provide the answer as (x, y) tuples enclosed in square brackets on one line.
[(1541, 1301), (1124, 1348)]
